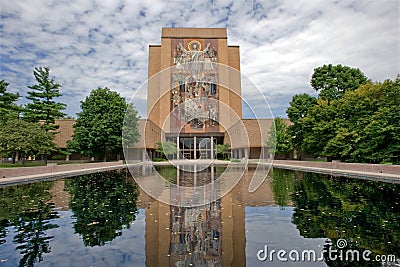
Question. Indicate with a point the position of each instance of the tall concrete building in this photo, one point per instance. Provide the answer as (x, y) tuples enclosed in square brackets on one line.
[(194, 98)]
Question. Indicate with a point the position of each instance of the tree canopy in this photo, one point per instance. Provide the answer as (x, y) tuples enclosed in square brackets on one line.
[(223, 149), (26, 138), (362, 126), (98, 128), (44, 107), (280, 140), (130, 130), (353, 119), (333, 81), (8, 108), (299, 107), (167, 148)]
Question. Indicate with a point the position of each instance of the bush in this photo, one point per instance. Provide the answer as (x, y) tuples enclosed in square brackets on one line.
[(159, 159), (59, 157)]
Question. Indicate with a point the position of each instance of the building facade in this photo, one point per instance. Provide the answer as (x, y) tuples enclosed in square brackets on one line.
[(194, 98), (189, 83)]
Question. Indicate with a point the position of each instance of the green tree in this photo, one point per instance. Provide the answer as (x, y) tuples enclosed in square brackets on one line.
[(130, 129), (280, 140), (223, 149), (98, 128), (334, 81), (362, 126), (8, 108), (319, 127), (298, 109), (369, 120), (44, 107), (168, 148), (25, 138)]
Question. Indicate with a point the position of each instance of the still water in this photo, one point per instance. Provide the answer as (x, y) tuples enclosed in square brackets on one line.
[(104, 219)]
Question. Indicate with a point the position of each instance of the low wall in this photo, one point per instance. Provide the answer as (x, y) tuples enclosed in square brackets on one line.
[(362, 167), (22, 171)]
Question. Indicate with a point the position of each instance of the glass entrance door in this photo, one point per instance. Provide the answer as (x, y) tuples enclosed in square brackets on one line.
[(198, 147)]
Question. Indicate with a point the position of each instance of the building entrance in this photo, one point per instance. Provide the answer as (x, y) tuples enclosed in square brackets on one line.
[(196, 147)]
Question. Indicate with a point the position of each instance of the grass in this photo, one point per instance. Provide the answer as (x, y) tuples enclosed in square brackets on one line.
[(159, 159), (35, 164), (319, 160), (19, 164), (71, 162)]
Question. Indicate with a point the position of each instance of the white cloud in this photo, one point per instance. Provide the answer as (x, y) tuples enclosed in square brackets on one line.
[(89, 44)]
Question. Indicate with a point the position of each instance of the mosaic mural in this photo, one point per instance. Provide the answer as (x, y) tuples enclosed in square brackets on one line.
[(194, 83)]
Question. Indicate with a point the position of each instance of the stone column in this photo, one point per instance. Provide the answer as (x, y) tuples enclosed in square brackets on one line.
[(194, 148), (177, 175), (195, 175), (212, 148), (246, 153), (177, 147), (144, 155)]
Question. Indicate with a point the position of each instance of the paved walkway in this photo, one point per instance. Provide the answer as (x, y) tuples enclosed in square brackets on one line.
[(386, 173), (90, 168)]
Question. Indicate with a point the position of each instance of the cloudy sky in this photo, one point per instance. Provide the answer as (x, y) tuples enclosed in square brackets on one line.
[(90, 44)]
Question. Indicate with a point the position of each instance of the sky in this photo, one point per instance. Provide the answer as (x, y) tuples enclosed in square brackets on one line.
[(91, 44)]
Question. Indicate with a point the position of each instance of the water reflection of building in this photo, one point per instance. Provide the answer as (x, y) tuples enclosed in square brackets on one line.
[(59, 196), (213, 235), (196, 236)]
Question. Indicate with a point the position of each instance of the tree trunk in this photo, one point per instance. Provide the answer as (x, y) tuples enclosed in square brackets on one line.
[(14, 155)]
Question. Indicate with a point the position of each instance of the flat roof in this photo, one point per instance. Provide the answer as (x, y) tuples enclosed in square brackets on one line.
[(218, 33)]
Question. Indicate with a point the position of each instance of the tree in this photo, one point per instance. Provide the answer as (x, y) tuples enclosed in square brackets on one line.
[(368, 122), (318, 128), (8, 108), (98, 128), (280, 141), (43, 107), (362, 126), (223, 149), (25, 138), (167, 148), (334, 81), (130, 130), (298, 109)]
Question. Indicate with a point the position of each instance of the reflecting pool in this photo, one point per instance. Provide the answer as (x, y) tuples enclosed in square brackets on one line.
[(105, 219)]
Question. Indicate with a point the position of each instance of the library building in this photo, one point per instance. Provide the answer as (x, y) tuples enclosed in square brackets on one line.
[(194, 99)]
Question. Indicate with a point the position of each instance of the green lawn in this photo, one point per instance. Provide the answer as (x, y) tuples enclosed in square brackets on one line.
[(19, 164)]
